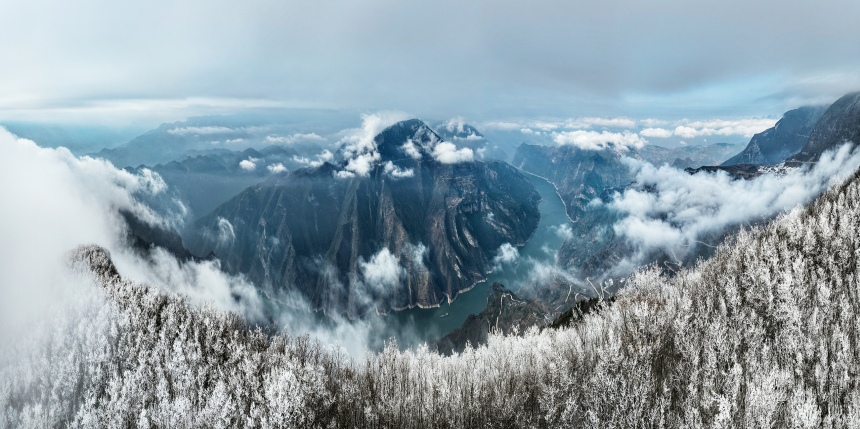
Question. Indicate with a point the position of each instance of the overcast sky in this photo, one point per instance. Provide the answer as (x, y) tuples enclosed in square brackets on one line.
[(93, 60)]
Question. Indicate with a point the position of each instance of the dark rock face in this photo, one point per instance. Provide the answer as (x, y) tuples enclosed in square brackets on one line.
[(505, 311), (413, 231), (840, 124), (785, 139)]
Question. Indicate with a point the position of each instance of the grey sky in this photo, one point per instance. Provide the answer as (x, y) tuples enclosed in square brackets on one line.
[(92, 59)]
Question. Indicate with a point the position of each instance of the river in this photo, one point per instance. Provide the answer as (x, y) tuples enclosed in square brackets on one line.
[(418, 325)]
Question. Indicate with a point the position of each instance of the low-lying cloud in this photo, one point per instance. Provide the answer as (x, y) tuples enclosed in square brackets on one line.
[(593, 140), (448, 153), (276, 168), (249, 164), (383, 271), (294, 138), (670, 210)]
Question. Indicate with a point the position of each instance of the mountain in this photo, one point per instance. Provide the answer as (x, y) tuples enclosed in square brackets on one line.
[(688, 156), (839, 124), (413, 230), (783, 140)]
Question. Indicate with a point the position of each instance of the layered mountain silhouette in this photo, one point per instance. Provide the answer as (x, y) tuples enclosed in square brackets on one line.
[(839, 124), (413, 231), (786, 138)]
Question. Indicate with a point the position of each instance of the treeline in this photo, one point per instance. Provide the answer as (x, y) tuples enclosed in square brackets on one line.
[(764, 334)]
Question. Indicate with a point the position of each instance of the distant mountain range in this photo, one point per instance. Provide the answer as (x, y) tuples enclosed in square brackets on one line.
[(174, 141), (209, 178)]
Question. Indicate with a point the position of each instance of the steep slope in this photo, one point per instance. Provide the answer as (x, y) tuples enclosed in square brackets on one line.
[(840, 124), (412, 231), (785, 139)]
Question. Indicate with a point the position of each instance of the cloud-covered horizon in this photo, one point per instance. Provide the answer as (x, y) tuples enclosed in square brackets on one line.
[(488, 59)]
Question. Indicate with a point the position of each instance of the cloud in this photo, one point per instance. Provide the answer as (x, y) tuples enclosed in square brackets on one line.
[(325, 156), (506, 255), (592, 140), (383, 271), (276, 168), (741, 127), (398, 172), (226, 233), (456, 125), (564, 231), (200, 131), (343, 174), (447, 153), (294, 138), (661, 133), (670, 210), (362, 164), (249, 164), (589, 122), (411, 149), (322, 157)]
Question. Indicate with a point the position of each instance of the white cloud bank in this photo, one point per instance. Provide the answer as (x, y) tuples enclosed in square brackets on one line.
[(670, 210), (447, 153), (593, 140), (383, 272), (249, 164), (294, 138)]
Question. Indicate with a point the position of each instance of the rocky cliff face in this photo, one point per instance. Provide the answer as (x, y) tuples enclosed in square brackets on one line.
[(412, 231), (840, 124), (785, 139)]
